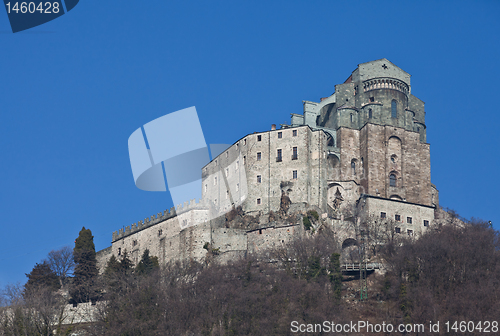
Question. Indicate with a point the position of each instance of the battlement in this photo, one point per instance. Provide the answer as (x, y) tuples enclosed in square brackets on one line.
[(155, 219)]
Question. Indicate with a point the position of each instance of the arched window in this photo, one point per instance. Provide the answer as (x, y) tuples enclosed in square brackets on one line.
[(370, 114), (353, 167), (362, 167), (392, 180), (394, 109)]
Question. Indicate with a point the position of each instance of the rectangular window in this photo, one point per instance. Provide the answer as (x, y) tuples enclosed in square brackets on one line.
[(227, 194), (382, 215), (244, 160), (245, 142), (398, 218), (294, 174), (426, 223), (259, 179), (397, 230), (294, 132), (279, 157), (227, 172), (372, 99), (160, 231), (259, 156), (206, 188), (215, 180), (280, 135), (259, 137), (410, 233), (237, 165), (294, 153), (408, 220), (258, 200), (237, 187)]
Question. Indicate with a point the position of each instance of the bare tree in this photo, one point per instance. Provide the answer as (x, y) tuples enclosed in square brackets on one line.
[(62, 262)]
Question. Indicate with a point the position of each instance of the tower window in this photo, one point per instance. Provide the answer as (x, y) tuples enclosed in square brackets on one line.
[(237, 187), (294, 174), (372, 99), (259, 137), (353, 167), (392, 180), (245, 142), (227, 172), (259, 156), (370, 113), (215, 180), (259, 179), (294, 132), (280, 135), (294, 153), (397, 218), (205, 188), (227, 194), (279, 157), (352, 118), (383, 215), (258, 200), (408, 220), (394, 109), (426, 223)]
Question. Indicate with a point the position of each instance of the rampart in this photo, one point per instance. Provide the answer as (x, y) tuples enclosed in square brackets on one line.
[(155, 219)]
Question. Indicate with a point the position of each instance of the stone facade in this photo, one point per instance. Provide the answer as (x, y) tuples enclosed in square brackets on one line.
[(363, 146)]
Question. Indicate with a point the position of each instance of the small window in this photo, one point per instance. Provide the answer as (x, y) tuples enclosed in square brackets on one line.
[(394, 109), (259, 156), (206, 187), (134, 242), (294, 133), (280, 135), (370, 113), (260, 231), (392, 180), (294, 174), (227, 154), (418, 129), (294, 153), (227, 194), (383, 215), (216, 162), (408, 220), (397, 230), (259, 179), (244, 160), (237, 187), (215, 180), (372, 99), (410, 233), (258, 200), (119, 251), (259, 137), (279, 157), (237, 165), (215, 201), (245, 142), (353, 167), (227, 172), (160, 232), (426, 223), (397, 218), (352, 118)]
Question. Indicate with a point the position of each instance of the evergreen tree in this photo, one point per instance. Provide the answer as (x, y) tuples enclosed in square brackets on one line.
[(85, 274), (42, 277), (147, 263)]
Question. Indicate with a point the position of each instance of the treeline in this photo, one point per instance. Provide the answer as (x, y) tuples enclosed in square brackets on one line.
[(450, 274)]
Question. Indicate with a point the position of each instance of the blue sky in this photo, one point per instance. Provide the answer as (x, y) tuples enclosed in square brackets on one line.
[(73, 90)]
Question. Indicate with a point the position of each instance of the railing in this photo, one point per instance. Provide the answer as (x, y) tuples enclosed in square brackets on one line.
[(355, 266)]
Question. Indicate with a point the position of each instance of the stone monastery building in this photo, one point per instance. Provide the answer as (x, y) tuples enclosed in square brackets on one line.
[(364, 147)]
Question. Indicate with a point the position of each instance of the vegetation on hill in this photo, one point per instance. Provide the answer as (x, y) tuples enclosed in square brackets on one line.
[(449, 274)]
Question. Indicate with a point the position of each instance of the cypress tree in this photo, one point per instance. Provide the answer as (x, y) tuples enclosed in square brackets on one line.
[(85, 274), (147, 263)]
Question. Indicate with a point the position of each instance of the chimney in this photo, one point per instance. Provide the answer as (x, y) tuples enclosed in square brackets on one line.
[(273, 127)]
